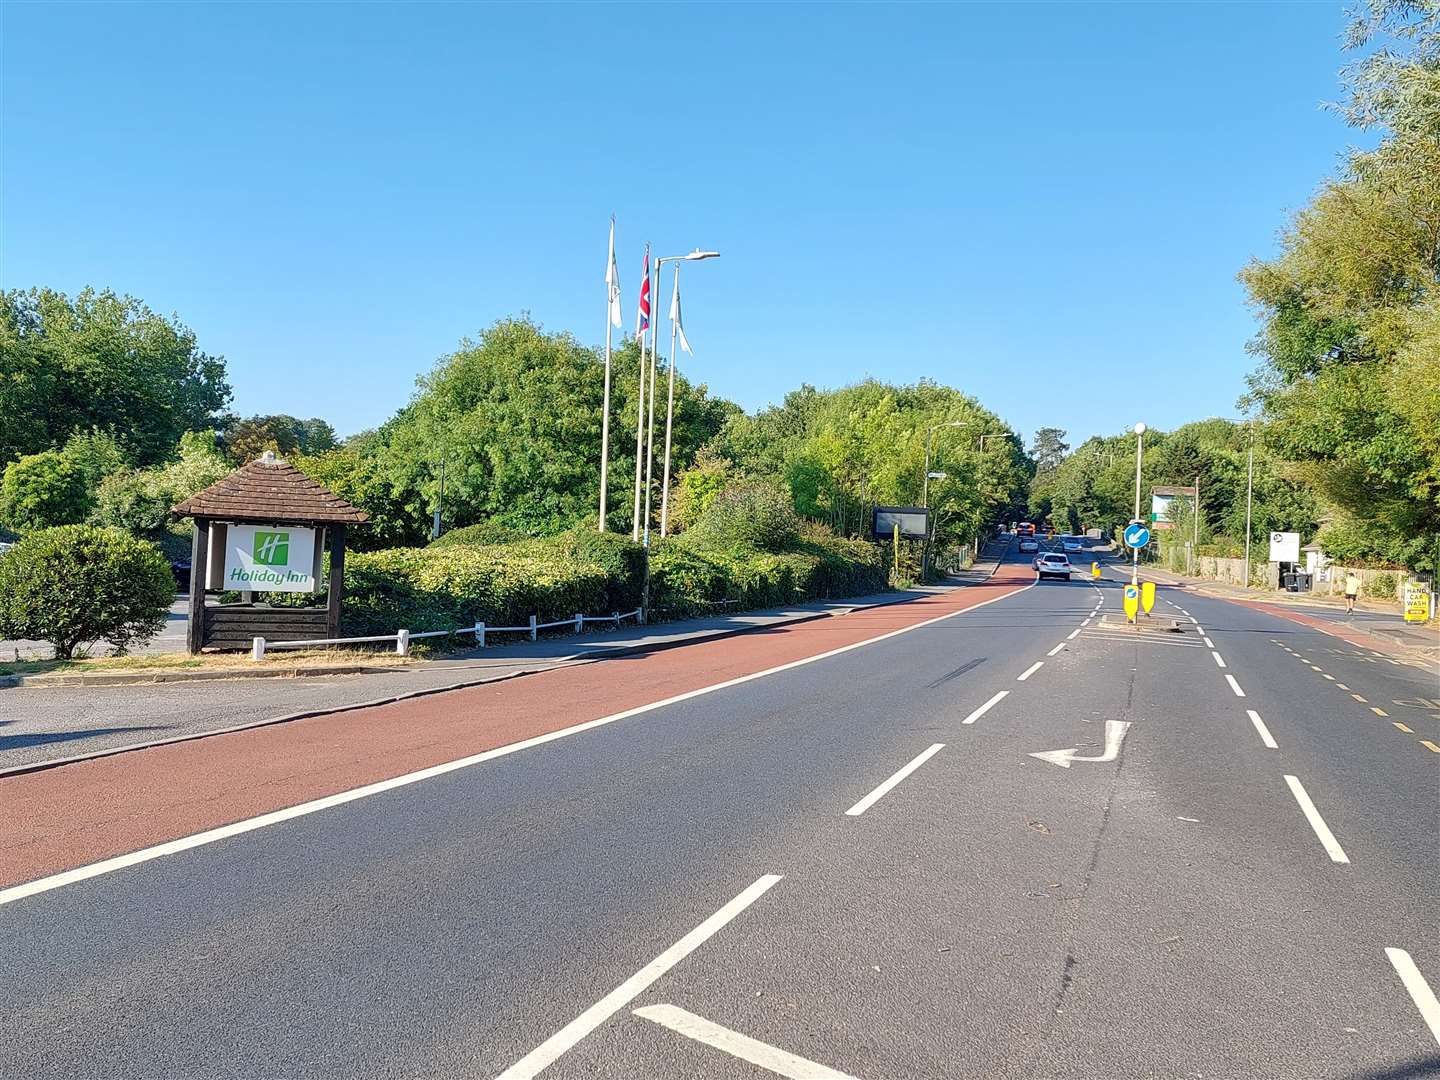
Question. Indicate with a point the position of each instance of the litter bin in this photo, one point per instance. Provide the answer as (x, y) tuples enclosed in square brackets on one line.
[(1297, 581)]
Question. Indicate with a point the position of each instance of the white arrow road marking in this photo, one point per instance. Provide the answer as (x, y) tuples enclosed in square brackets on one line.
[(1420, 991), (736, 1045), (543, 1055), (1114, 735)]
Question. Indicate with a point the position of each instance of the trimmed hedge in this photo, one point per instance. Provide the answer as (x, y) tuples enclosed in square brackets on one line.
[(456, 585), (449, 586)]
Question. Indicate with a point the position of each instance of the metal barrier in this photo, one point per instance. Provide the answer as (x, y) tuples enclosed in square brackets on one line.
[(402, 638)]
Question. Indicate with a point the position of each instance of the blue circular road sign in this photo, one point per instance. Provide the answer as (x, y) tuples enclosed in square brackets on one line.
[(1136, 535)]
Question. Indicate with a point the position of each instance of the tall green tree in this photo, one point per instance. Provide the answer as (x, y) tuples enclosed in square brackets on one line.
[(101, 362), (1350, 311)]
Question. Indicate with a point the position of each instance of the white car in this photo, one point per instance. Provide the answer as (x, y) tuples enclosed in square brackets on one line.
[(1053, 564), (1071, 543)]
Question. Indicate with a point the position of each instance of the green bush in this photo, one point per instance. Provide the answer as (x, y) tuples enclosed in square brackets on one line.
[(752, 514), (482, 532), (1381, 587), (41, 490), (76, 584)]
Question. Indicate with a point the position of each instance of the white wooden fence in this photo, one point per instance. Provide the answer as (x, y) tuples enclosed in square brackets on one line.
[(402, 638)]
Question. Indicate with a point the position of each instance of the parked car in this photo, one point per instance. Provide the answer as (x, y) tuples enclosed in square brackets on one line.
[(1028, 544), (1053, 564)]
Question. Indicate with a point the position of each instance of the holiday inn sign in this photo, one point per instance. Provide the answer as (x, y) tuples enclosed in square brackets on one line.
[(269, 558)]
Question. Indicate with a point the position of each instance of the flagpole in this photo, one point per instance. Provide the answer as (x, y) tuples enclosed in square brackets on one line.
[(669, 412), (605, 416), (650, 420), (640, 417)]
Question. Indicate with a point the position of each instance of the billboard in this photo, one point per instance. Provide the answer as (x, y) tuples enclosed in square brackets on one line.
[(1161, 499), (1284, 547), (914, 522), (270, 558)]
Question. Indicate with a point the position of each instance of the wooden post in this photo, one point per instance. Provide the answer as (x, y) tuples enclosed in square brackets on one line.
[(199, 551), (337, 580)]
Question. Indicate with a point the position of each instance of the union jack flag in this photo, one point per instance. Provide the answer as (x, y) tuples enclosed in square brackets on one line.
[(642, 317)]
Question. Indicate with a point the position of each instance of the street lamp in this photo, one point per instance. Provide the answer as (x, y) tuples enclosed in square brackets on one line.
[(1139, 449), (925, 489)]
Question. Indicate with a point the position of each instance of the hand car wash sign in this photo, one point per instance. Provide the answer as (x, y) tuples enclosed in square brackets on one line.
[(270, 558)]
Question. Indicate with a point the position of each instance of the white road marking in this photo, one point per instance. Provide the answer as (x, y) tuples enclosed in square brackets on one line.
[(1265, 736), (546, 1053), (1323, 675), (1234, 685), (1057, 648), (1357, 697), (983, 709), (1420, 991), (1192, 618), (1114, 735), (881, 791), (733, 1043), (237, 828), (1208, 643), (1074, 633), (1378, 712), (1219, 661), (1327, 838), (1342, 686), (1087, 621), (1036, 666)]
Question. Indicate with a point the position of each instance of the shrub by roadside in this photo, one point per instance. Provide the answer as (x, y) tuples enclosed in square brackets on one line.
[(76, 584)]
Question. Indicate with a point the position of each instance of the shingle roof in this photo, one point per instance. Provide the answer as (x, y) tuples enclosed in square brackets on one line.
[(270, 491)]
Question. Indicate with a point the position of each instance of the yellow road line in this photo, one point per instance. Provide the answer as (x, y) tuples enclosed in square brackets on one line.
[(1430, 745), (1402, 727)]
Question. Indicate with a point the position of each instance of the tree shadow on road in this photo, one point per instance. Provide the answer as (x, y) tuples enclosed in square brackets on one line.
[(44, 738), (1414, 1070)]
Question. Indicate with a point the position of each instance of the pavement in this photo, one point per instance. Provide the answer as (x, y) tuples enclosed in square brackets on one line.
[(171, 638), (983, 833)]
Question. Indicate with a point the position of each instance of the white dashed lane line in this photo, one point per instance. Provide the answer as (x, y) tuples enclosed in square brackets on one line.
[(1234, 685), (1420, 992), (1219, 661), (881, 791), (1056, 649), (1322, 831), (1265, 736), (983, 709), (1030, 670)]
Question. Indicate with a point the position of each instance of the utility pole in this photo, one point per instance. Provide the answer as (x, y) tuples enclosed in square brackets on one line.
[(1249, 499), (1139, 451)]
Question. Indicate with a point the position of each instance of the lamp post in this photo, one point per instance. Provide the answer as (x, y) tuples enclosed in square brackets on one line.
[(1249, 496), (1139, 450), (925, 490), (694, 256)]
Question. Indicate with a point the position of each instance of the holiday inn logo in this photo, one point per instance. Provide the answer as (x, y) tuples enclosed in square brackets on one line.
[(272, 548)]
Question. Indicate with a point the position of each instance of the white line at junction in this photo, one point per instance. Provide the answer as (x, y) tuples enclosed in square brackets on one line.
[(884, 789), (1322, 831), (983, 709), (547, 1052), (767, 1057)]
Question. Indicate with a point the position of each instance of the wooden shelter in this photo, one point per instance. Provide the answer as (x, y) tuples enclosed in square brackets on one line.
[(250, 528)]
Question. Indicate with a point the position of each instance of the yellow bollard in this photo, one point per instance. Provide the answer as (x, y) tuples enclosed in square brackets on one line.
[(1147, 595), (1132, 602), (1094, 569)]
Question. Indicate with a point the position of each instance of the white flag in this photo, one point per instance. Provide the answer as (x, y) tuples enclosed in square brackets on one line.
[(612, 280), (675, 314)]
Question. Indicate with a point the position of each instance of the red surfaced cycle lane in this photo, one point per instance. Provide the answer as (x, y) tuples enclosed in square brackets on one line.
[(78, 814)]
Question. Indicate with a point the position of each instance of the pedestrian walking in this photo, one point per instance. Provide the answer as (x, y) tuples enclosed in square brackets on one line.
[(1352, 590)]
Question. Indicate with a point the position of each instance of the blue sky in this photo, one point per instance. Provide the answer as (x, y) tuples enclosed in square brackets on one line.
[(1044, 205)]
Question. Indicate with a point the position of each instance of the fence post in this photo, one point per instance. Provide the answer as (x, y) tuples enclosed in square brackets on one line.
[(579, 623), (480, 634), (402, 642), (534, 633), (257, 648)]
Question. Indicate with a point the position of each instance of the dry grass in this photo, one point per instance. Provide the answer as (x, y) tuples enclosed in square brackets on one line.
[(287, 658)]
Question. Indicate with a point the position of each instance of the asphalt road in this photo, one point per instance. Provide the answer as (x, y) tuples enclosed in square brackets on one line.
[(725, 885)]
